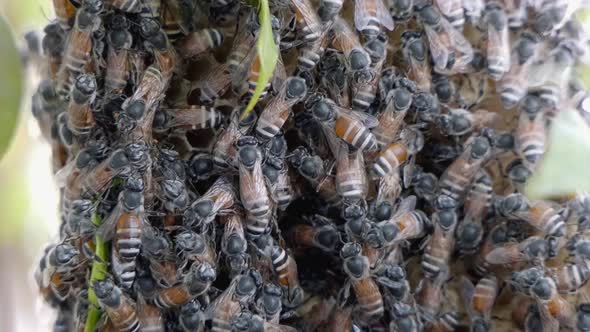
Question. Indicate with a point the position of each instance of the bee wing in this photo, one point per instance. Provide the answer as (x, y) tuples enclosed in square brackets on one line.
[(305, 9), (368, 120), (197, 117), (366, 10), (223, 298), (549, 323), (62, 174), (438, 50), (107, 228), (446, 6), (389, 187), (279, 76), (239, 76), (506, 254), (408, 171), (406, 205), (467, 291), (149, 315)]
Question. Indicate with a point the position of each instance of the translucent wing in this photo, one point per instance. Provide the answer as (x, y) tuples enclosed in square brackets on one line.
[(252, 183), (389, 188), (272, 327), (506, 254), (467, 291), (107, 228), (438, 50), (197, 117), (366, 11), (406, 205), (149, 315), (279, 76), (62, 174), (309, 15), (368, 120), (548, 322)]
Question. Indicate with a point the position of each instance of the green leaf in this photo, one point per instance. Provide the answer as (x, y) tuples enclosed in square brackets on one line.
[(11, 86), (564, 168), (98, 272), (268, 54)]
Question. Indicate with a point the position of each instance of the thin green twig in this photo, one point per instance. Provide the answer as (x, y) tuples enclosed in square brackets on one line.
[(98, 272)]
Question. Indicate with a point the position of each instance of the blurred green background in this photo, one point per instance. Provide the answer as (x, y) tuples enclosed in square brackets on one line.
[(28, 195)]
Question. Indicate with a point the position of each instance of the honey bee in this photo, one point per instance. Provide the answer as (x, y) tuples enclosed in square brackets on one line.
[(53, 48), (253, 191), (550, 76), (65, 12), (364, 84), (245, 37), (450, 50), (225, 153), (494, 238), (195, 44), (312, 52), (406, 223), (476, 208), (215, 84), (234, 245), (456, 179), (367, 293), (350, 126), (54, 275), (269, 302), (196, 282), (390, 121), (308, 23), (124, 225), (78, 49), (452, 10), (398, 154), (118, 71), (321, 234), (531, 249), (278, 182), (191, 118), (554, 309), (195, 248), (370, 16), (479, 300), (99, 178), (429, 296), (513, 85), (285, 268), (530, 133), (459, 122), (157, 251), (539, 214), (119, 308), (278, 109), (240, 292), (351, 177), (346, 41), (80, 116), (219, 199), (498, 43), (437, 253), (191, 317)]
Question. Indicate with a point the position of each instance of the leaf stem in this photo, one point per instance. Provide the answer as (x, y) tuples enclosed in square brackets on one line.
[(98, 272)]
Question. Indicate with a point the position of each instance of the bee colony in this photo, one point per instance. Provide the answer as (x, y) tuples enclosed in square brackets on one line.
[(376, 186)]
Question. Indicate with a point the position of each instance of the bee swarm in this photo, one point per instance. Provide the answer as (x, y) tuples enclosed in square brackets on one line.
[(376, 186)]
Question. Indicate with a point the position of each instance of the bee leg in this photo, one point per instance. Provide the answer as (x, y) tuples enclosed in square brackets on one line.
[(344, 294)]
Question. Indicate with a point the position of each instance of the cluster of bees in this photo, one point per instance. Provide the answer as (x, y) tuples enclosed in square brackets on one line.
[(376, 186)]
